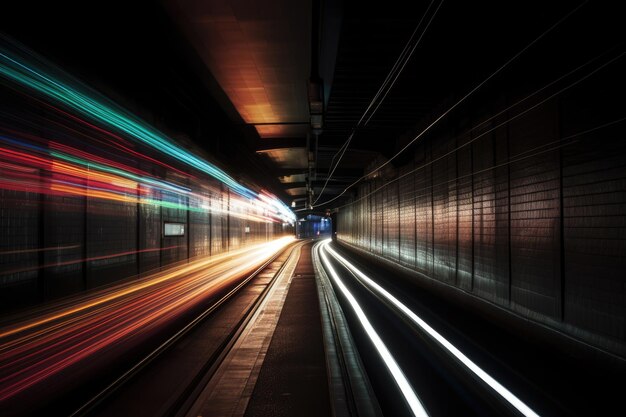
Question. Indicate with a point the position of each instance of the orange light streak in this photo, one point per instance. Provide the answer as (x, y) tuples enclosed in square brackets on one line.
[(33, 350)]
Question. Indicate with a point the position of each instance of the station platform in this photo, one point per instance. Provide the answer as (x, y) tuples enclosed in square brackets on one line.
[(278, 365)]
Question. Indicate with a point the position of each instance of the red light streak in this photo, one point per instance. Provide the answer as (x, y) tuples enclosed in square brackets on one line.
[(54, 248), (121, 143), (40, 173), (93, 258)]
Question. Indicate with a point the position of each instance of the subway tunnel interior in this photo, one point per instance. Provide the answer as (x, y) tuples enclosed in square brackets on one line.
[(316, 207)]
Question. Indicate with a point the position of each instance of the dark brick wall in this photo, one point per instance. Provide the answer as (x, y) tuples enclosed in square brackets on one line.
[(111, 241), (199, 233), (174, 248), (531, 215), (149, 235), (19, 222), (63, 225)]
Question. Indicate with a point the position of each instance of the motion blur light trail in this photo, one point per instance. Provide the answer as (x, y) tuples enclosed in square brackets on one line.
[(73, 163), (33, 350), (78, 172), (487, 379), (109, 181), (76, 261), (88, 104), (413, 401)]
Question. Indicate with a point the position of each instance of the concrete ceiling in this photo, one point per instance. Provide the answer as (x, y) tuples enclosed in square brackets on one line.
[(259, 53), (292, 178), (287, 157)]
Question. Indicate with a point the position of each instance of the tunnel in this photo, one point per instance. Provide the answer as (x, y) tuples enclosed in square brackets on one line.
[(312, 208)]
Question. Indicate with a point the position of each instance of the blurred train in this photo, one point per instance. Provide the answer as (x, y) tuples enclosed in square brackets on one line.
[(91, 194)]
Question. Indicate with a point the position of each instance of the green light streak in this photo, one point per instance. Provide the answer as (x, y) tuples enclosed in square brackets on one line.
[(114, 118), (117, 171), (98, 108)]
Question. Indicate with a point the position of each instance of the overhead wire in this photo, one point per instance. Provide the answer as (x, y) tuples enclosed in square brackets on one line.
[(403, 65), (400, 63), (401, 58), (557, 144), (506, 121), (458, 102)]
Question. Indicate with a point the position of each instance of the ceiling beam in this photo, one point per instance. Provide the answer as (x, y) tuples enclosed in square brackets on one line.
[(266, 144), (290, 185), (365, 146), (339, 172)]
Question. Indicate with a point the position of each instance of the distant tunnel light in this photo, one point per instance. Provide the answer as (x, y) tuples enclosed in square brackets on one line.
[(479, 372), (411, 398)]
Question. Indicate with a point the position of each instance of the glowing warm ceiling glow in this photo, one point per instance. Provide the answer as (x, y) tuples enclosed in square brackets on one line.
[(259, 53)]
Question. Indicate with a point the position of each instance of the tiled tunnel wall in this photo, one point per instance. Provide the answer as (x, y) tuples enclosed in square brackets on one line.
[(84, 244), (530, 214)]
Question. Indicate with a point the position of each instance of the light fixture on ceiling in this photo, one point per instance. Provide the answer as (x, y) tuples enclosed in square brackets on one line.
[(316, 104)]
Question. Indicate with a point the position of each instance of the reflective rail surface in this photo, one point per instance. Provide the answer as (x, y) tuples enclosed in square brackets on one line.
[(371, 305)]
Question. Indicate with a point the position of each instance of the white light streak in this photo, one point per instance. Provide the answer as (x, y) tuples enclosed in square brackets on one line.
[(479, 372), (405, 387)]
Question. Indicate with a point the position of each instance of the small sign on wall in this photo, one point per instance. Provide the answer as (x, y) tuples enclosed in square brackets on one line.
[(173, 229), (247, 229)]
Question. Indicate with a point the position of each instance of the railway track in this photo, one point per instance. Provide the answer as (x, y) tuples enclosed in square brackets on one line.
[(161, 370)]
